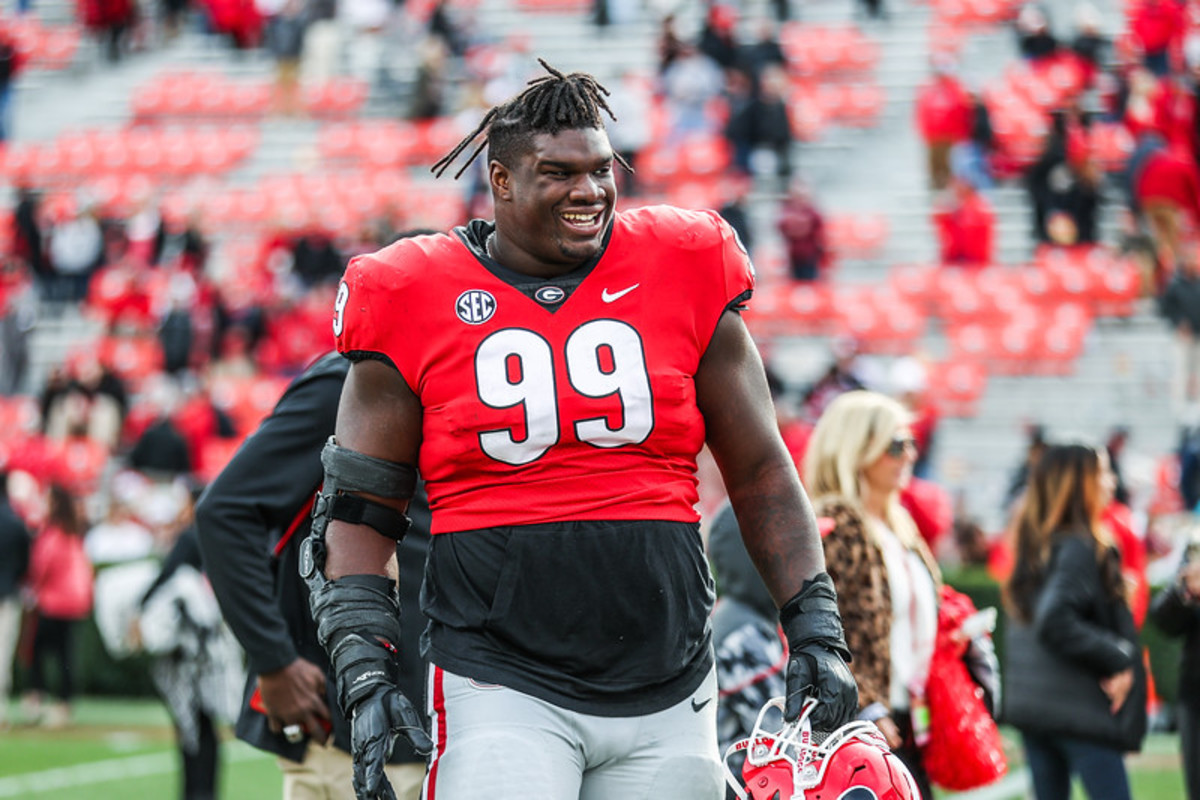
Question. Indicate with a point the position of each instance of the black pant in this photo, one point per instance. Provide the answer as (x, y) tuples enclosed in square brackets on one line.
[(53, 640), (910, 754), (200, 768)]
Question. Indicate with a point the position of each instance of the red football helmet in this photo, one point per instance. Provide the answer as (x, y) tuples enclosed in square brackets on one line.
[(852, 763)]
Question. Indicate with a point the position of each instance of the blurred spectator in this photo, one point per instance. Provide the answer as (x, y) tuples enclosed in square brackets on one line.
[(632, 105), (120, 536), (366, 21), (315, 258), (28, 236), (91, 396), (803, 229), (161, 452), (1176, 610), (670, 45), (873, 8), (750, 652), (444, 27), (285, 40), (1064, 188), (718, 38), (1034, 38), (966, 226), (1090, 44), (1035, 445), (740, 100), (858, 459), (734, 208), (60, 586), (1118, 438), (18, 316), (321, 51), (11, 62), (146, 232), (970, 542), (14, 561), (76, 250), (971, 158), (944, 113), (690, 84), (1166, 185), (196, 664), (1075, 686), (838, 379), (110, 21), (1157, 27), (429, 88), (909, 384), (1180, 305), (771, 127), (764, 51)]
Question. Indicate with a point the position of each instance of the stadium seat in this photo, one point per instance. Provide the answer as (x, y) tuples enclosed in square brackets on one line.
[(958, 386)]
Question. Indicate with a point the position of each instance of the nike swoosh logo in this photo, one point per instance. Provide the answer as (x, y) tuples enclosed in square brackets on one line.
[(698, 707), (609, 297)]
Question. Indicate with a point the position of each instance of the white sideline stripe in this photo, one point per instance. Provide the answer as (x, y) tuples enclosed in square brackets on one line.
[(113, 769)]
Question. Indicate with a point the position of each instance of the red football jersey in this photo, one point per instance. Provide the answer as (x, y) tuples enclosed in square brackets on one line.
[(575, 409)]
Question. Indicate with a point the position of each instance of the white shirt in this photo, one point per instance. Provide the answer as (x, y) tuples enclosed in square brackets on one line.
[(914, 617)]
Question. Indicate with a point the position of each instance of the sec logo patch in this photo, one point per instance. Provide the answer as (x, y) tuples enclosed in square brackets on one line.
[(475, 306)]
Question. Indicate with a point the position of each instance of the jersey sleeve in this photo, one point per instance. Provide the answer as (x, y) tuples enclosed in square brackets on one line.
[(739, 271), (364, 311)]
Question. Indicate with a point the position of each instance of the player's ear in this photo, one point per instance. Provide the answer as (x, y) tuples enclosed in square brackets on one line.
[(501, 180)]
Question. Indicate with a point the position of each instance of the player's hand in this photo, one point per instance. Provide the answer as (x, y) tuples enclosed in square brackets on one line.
[(817, 656), (819, 672), (295, 695), (377, 721)]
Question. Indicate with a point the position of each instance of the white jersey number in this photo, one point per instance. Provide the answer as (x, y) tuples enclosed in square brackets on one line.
[(604, 358)]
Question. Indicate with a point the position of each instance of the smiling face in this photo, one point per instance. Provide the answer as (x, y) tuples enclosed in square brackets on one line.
[(554, 204)]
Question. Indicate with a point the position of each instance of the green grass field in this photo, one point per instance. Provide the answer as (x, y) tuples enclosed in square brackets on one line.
[(124, 750)]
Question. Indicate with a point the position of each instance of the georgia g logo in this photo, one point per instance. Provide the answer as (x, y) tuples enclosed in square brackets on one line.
[(858, 793), (475, 306)]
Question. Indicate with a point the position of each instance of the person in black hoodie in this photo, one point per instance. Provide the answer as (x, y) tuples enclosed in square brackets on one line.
[(251, 521), (1176, 610)]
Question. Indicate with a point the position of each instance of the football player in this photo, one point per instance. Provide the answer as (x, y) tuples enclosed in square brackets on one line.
[(553, 375)]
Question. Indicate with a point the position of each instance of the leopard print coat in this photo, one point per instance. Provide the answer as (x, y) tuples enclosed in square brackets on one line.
[(856, 565)]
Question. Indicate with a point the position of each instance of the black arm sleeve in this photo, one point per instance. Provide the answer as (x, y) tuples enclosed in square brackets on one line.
[(266, 485)]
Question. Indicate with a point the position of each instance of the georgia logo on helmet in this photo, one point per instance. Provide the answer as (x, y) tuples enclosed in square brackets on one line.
[(783, 761)]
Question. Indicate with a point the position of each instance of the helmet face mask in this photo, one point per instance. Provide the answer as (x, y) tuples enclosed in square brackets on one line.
[(784, 761)]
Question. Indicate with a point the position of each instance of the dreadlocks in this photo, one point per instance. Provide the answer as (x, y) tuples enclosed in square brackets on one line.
[(549, 104)]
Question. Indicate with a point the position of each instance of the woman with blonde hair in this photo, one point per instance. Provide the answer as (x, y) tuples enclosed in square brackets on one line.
[(1074, 682), (860, 455)]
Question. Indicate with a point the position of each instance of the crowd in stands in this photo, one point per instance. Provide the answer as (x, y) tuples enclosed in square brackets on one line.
[(211, 298)]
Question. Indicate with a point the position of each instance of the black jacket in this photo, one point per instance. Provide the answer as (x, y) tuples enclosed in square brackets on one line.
[(1171, 612), (1075, 622), (251, 521), (14, 549)]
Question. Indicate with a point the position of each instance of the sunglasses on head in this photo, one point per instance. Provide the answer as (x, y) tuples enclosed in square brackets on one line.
[(901, 445)]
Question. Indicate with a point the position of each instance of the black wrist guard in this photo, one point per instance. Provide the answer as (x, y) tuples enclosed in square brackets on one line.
[(358, 624), (812, 617)]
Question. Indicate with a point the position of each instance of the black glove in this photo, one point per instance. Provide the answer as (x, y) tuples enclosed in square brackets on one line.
[(378, 720), (358, 622), (817, 657)]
